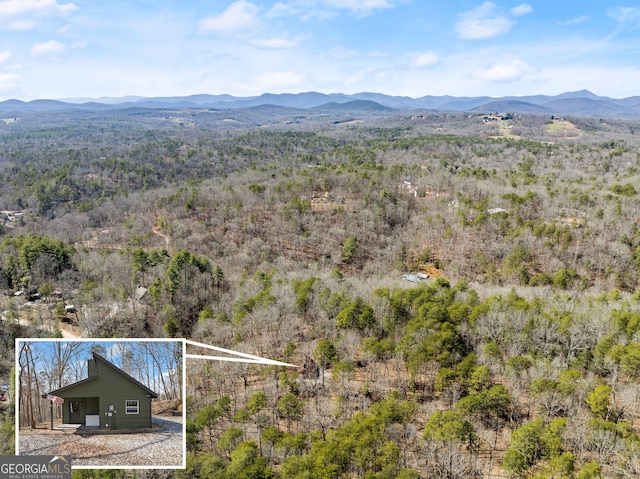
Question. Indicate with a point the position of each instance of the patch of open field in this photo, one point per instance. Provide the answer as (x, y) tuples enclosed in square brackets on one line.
[(563, 129)]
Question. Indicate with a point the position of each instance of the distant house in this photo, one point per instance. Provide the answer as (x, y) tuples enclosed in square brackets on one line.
[(493, 211), (412, 278), (9, 215), (108, 398), (139, 293)]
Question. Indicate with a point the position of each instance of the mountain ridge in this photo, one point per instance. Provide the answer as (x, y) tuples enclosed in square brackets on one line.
[(579, 103)]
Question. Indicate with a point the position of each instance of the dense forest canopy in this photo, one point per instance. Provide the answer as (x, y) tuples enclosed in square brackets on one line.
[(462, 290)]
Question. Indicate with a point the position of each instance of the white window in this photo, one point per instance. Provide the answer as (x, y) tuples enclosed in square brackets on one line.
[(132, 406)]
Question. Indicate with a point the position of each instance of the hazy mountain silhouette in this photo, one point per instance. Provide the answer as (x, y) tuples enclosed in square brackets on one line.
[(582, 103)]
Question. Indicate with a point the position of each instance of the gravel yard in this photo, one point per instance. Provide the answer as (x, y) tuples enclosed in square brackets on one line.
[(160, 446)]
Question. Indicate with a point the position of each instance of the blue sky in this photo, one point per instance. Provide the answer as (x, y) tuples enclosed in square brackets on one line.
[(96, 48)]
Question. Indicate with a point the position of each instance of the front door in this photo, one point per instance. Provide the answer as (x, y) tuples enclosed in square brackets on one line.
[(74, 412)]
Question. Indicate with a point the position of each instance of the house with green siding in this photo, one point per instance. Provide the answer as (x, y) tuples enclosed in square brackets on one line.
[(108, 398)]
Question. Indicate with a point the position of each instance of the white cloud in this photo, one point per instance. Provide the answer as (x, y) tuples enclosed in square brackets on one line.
[(20, 7), (625, 14), (426, 59), (239, 16), (306, 10), (503, 72), (280, 9), (274, 43), (54, 48), (350, 80), (575, 20), (484, 21), (360, 7), (8, 82), (522, 9), (4, 56), (375, 79), (21, 25), (50, 48), (340, 54), (359, 4), (323, 9)]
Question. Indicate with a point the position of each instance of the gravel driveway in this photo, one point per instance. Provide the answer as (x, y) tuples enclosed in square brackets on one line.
[(160, 446)]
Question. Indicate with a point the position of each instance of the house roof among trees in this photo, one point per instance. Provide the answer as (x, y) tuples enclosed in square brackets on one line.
[(96, 358)]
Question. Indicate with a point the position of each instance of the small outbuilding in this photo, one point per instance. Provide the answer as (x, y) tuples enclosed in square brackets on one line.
[(411, 277), (108, 398)]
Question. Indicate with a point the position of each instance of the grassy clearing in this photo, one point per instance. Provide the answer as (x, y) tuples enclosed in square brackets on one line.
[(505, 131), (563, 128)]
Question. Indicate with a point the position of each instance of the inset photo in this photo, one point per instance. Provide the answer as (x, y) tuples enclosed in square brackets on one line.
[(104, 403)]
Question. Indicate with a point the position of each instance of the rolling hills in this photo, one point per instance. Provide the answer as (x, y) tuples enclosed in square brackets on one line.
[(579, 103)]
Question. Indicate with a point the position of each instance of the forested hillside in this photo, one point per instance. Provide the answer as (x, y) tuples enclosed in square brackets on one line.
[(460, 291)]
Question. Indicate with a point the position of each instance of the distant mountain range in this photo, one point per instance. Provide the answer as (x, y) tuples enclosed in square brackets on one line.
[(579, 103)]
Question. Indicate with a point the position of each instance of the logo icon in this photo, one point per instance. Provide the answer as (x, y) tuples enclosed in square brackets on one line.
[(35, 467)]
